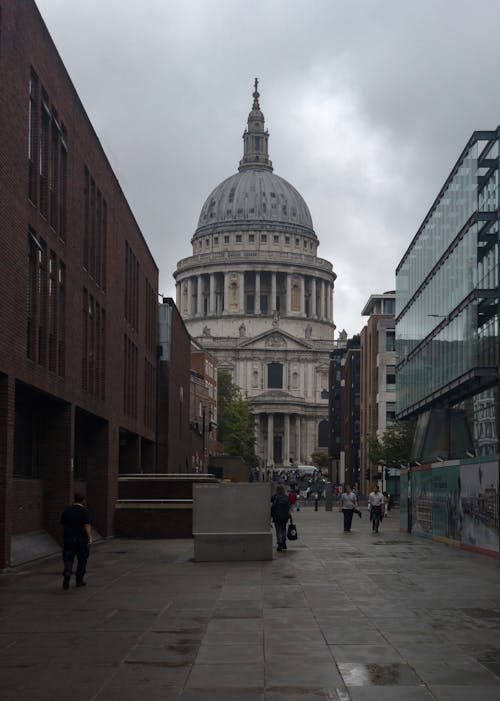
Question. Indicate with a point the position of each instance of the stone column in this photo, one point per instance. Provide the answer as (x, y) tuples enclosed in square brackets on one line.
[(178, 296), (302, 295), (257, 293), (273, 292), (270, 439), (199, 295), (242, 293), (297, 437), (190, 296), (286, 440), (212, 294), (322, 299), (226, 294), (313, 298)]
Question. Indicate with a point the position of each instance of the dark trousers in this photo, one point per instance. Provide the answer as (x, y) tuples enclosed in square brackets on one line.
[(280, 532), (81, 552), (348, 513)]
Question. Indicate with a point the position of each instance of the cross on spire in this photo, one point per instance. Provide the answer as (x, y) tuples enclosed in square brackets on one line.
[(256, 95)]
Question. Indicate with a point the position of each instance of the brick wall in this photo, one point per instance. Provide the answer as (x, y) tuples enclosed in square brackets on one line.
[(86, 241)]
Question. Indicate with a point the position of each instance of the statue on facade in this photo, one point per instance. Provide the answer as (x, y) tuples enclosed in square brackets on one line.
[(243, 330), (206, 331), (276, 318), (308, 331)]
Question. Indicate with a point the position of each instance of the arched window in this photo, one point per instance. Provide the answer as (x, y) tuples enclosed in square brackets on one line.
[(275, 376), (323, 434)]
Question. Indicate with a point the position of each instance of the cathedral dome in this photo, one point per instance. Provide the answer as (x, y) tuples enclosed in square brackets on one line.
[(255, 197)]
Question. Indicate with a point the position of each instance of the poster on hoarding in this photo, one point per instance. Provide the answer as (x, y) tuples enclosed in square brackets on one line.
[(458, 503), (479, 505)]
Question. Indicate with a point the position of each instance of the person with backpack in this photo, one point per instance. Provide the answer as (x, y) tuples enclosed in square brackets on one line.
[(280, 514)]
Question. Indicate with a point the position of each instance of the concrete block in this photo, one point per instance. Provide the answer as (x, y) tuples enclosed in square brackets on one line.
[(222, 547)]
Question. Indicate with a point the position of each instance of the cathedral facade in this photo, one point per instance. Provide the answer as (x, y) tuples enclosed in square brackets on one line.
[(257, 297)]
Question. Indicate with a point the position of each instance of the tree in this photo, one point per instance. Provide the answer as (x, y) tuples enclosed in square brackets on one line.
[(394, 447), (235, 420), (320, 458)]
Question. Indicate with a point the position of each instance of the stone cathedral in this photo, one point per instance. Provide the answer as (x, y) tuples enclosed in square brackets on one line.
[(257, 297)]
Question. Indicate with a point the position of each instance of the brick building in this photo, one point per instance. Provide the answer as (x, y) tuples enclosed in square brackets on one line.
[(78, 300), (174, 452), (344, 404), (378, 389), (205, 366)]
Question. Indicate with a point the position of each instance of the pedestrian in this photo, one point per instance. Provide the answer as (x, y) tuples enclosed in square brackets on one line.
[(348, 504), (376, 502), (75, 520), (292, 498), (386, 503), (280, 514)]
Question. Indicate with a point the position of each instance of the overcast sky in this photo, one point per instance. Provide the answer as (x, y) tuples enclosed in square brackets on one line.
[(368, 104)]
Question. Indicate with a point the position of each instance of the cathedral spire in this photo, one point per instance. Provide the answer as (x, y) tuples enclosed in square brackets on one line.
[(256, 95), (255, 138)]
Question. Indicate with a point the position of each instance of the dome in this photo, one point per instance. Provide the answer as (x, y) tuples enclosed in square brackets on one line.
[(254, 195)]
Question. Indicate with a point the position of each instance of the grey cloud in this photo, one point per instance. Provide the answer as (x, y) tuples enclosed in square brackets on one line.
[(168, 87)]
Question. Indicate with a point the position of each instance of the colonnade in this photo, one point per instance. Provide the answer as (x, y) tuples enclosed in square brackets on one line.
[(255, 292), (289, 431)]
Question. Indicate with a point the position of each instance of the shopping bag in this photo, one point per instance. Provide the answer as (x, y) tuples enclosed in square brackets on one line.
[(291, 533)]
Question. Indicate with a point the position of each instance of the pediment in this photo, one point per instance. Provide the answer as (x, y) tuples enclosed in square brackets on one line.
[(275, 339)]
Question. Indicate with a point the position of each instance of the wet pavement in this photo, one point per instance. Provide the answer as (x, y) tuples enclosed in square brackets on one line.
[(340, 616)]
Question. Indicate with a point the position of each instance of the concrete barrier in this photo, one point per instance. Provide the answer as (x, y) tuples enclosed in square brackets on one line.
[(232, 522)]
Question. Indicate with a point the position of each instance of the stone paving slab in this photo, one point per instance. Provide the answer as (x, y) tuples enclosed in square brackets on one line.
[(341, 617)]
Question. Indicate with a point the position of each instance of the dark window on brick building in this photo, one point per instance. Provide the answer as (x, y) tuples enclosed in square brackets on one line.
[(63, 183), (32, 295), (32, 136), (52, 311), (131, 287), (95, 225), (54, 172), (42, 302), (44, 154), (61, 331), (93, 346), (129, 377), (150, 317)]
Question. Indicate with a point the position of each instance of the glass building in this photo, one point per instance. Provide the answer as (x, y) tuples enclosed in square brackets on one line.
[(447, 311)]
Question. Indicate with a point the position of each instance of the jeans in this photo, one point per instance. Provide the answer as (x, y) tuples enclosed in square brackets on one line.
[(348, 514), (280, 532), (81, 552)]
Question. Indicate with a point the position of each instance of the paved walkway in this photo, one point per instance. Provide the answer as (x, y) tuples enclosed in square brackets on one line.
[(338, 616)]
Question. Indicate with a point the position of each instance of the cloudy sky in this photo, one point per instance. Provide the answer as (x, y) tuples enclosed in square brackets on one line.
[(368, 104)]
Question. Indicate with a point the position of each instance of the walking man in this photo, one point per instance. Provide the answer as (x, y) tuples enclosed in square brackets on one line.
[(280, 513), (348, 504), (75, 520), (376, 502)]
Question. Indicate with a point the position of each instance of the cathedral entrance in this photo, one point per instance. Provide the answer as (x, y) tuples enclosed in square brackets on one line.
[(278, 450)]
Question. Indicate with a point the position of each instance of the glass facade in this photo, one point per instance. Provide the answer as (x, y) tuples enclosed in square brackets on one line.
[(447, 286)]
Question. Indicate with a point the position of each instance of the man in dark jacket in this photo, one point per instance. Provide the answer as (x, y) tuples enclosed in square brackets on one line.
[(75, 520), (280, 513)]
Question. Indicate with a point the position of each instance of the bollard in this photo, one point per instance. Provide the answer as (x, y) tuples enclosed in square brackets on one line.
[(316, 502)]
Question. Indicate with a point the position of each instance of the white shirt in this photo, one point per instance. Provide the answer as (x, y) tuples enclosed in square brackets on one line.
[(376, 499)]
